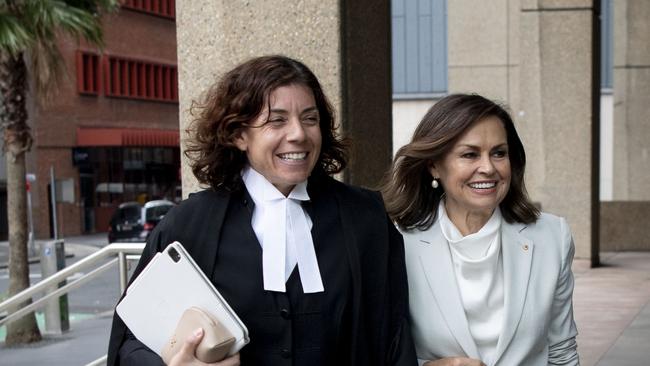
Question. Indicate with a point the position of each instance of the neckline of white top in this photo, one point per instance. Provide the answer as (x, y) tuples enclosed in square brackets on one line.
[(476, 247)]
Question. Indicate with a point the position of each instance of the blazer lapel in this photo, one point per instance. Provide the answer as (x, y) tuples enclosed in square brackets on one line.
[(436, 263), (517, 258)]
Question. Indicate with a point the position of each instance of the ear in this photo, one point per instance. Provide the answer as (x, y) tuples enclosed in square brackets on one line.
[(431, 166), (241, 140)]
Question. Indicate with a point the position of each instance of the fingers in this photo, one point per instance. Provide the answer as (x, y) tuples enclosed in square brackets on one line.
[(192, 341), (185, 355), (189, 349), (472, 362), (455, 361)]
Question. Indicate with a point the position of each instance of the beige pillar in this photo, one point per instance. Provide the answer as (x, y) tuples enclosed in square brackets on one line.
[(346, 44), (631, 100), (536, 55), (556, 111), (484, 49)]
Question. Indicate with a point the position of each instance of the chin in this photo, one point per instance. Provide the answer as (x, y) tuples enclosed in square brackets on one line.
[(294, 179), (485, 206)]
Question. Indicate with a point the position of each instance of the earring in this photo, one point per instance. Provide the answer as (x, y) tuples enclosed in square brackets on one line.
[(434, 183)]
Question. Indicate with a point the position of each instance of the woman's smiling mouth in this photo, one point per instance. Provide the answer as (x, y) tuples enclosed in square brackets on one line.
[(483, 185), (294, 156)]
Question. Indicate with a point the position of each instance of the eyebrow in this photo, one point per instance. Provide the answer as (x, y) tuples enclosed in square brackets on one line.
[(306, 110), (505, 144)]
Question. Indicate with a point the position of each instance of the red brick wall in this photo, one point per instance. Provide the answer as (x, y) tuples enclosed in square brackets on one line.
[(68, 214), (128, 34)]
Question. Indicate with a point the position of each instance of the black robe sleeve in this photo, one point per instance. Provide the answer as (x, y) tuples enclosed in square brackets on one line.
[(381, 332), (402, 349), (123, 348), (196, 223)]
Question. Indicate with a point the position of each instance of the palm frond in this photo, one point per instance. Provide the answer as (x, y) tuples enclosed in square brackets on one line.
[(48, 17), (46, 20), (95, 6), (47, 68), (14, 38)]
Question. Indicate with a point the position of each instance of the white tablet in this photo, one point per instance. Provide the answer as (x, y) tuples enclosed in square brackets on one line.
[(166, 287)]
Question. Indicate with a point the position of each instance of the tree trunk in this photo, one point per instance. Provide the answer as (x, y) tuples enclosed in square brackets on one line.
[(17, 141)]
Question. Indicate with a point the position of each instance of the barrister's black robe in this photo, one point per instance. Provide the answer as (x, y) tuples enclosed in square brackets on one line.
[(379, 295)]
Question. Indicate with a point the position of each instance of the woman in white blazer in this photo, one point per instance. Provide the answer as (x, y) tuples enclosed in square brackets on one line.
[(490, 279)]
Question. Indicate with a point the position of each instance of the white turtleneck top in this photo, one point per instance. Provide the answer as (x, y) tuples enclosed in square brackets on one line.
[(479, 274)]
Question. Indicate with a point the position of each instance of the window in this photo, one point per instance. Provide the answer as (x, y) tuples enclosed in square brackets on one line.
[(88, 77), (163, 8), (419, 42), (138, 79)]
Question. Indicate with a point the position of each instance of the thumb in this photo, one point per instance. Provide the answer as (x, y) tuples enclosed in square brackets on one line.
[(192, 341)]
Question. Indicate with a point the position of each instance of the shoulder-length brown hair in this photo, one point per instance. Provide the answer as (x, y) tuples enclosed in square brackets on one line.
[(409, 197), (236, 100)]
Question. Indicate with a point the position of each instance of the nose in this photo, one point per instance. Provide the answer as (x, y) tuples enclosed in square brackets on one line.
[(486, 165), (296, 131)]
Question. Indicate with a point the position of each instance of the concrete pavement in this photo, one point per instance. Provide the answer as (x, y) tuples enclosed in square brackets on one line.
[(612, 309), (88, 336), (611, 304)]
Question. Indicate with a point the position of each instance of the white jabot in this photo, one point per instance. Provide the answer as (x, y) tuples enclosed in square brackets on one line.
[(479, 274), (283, 229)]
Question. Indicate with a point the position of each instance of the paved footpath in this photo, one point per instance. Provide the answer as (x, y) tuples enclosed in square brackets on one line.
[(87, 339), (612, 308)]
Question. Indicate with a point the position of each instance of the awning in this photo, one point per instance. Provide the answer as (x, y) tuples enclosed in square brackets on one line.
[(127, 137)]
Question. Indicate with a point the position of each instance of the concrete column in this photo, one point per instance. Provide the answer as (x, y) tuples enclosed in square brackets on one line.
[(536, 55), (556, 112), (483, 48), (345, 43), (631, 100)]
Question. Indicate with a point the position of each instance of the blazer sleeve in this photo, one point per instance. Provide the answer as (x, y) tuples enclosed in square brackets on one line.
[(563, 348)]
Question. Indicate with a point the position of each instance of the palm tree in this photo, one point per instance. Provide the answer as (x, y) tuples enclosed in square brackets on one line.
[(29, 30)]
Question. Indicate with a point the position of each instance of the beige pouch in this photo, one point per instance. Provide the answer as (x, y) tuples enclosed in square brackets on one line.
[(216, 341)]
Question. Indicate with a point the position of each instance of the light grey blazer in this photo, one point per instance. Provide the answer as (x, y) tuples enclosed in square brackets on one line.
[(538, 327)]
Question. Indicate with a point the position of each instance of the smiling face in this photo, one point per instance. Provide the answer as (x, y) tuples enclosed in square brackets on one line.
[(283, 143), (475, 173)]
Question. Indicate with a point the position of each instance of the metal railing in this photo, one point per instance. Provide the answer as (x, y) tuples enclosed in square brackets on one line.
[(122, 252)]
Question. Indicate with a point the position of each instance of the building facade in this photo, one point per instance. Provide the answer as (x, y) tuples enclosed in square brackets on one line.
[(581, 118), (110, 134)]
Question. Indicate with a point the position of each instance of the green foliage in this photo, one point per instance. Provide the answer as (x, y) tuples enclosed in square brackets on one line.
[(32, 26), (14, 38), (24, 23)]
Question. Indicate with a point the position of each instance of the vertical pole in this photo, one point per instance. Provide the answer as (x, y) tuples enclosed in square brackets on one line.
[(121, 260), (55, 311), (30, 221), (595, 133), (53, 200)]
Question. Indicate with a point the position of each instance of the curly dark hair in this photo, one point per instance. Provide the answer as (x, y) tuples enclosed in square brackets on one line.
[(237, 99), (410, 199)]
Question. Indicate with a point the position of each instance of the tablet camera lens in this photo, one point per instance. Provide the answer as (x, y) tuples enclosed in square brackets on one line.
[(174, 255)]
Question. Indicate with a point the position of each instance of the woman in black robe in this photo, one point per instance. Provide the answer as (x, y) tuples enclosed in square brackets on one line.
[(312, 266)]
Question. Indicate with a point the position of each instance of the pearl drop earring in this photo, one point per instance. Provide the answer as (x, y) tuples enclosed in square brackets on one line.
[(434, 183)]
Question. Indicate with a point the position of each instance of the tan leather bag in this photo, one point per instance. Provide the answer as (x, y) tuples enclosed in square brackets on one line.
[(216, 341)]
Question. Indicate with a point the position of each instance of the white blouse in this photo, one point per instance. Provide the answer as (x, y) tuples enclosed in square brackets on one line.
[(479, 273)]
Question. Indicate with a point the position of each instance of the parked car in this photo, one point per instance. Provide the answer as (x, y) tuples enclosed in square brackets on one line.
[(132, 222), (152, 213), (125, 223)]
